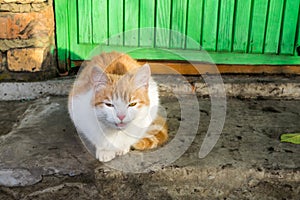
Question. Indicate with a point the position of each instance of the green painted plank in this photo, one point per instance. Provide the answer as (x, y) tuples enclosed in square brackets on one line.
[(297, 47), (241, 26), (273, 26), (170, 54), (99, 20), (78, 51), (258, 25), (85, 21), (62, 32), (191, 55), (115, 22), (163, 11), (203, 56), (131, 22), (72, 7), (210, 23), (147, 23), (289, 27), (178, 24), (194, 24), (225, 25)]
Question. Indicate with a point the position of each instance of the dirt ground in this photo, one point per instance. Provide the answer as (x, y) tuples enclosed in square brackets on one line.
[(42, 157)]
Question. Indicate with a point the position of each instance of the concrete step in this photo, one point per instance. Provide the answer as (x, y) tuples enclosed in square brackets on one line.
[(242, 86)]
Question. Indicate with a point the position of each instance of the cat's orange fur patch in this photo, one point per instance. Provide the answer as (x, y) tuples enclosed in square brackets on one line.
[(113, 64), (157, 135)]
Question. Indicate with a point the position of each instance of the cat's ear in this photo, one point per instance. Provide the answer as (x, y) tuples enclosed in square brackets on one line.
[(142, 76), (99, 78)]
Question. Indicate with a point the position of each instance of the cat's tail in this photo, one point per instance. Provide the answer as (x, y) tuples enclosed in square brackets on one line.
[(157, 134)]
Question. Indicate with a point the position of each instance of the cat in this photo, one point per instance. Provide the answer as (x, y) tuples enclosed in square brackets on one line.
[(114, 105)]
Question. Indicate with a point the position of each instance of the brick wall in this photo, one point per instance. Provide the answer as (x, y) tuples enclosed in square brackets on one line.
[(26, 40)]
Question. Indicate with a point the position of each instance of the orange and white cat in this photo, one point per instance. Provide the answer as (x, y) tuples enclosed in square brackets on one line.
[(114, 104)]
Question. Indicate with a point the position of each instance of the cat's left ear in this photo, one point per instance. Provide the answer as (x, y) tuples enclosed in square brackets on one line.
[(99, 78), (142, 76)]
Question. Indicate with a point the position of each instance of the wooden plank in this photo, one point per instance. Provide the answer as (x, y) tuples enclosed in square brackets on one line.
[(85, 21), (258, 25), (289, 28), (297, 46), (273, 27), (77, 50), (147, 23), (80, 51), (115, 22), (131, 22), (200, 68), (73, 25), (99, 20), (210, 22), (178, 24), (163, 11), (195, 69), (194, 24), (62, 33), (259, 69), (203, 56), (241, 26), (181, 68), (225, 25)]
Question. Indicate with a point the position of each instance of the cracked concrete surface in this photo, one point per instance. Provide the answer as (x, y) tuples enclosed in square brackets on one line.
[(42, 157), (39, 143)]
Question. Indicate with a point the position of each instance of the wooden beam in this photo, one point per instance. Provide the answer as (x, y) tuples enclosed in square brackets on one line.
[(185, 68), (202, 68)]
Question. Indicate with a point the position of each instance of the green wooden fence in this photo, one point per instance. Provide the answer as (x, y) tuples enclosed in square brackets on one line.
[(232, 31)]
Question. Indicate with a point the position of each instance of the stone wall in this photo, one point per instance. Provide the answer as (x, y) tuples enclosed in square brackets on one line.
[(27, 40)]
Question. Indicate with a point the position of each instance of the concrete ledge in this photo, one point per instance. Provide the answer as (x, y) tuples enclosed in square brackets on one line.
[(33, 90), (254, 87)]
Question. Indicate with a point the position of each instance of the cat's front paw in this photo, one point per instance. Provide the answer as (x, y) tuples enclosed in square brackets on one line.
[(108, 155), (104, 155), (122, 152)]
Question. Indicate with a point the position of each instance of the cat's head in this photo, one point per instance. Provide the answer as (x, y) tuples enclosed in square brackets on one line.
[(120, 99)]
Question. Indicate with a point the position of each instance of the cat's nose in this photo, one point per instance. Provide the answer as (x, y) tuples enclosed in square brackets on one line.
[(121, 117)]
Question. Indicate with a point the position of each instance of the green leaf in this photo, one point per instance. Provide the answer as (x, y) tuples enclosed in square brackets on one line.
[(291, 137)]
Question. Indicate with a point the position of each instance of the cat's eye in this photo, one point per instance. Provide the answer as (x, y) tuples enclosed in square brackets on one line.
[(109, 104), (132, 104)]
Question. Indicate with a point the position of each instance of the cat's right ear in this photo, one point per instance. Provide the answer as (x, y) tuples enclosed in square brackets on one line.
[(99, 78)]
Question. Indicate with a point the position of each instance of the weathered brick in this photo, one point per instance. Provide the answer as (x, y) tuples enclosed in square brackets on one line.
[(30, 59), (22, 1), (27, 25)]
